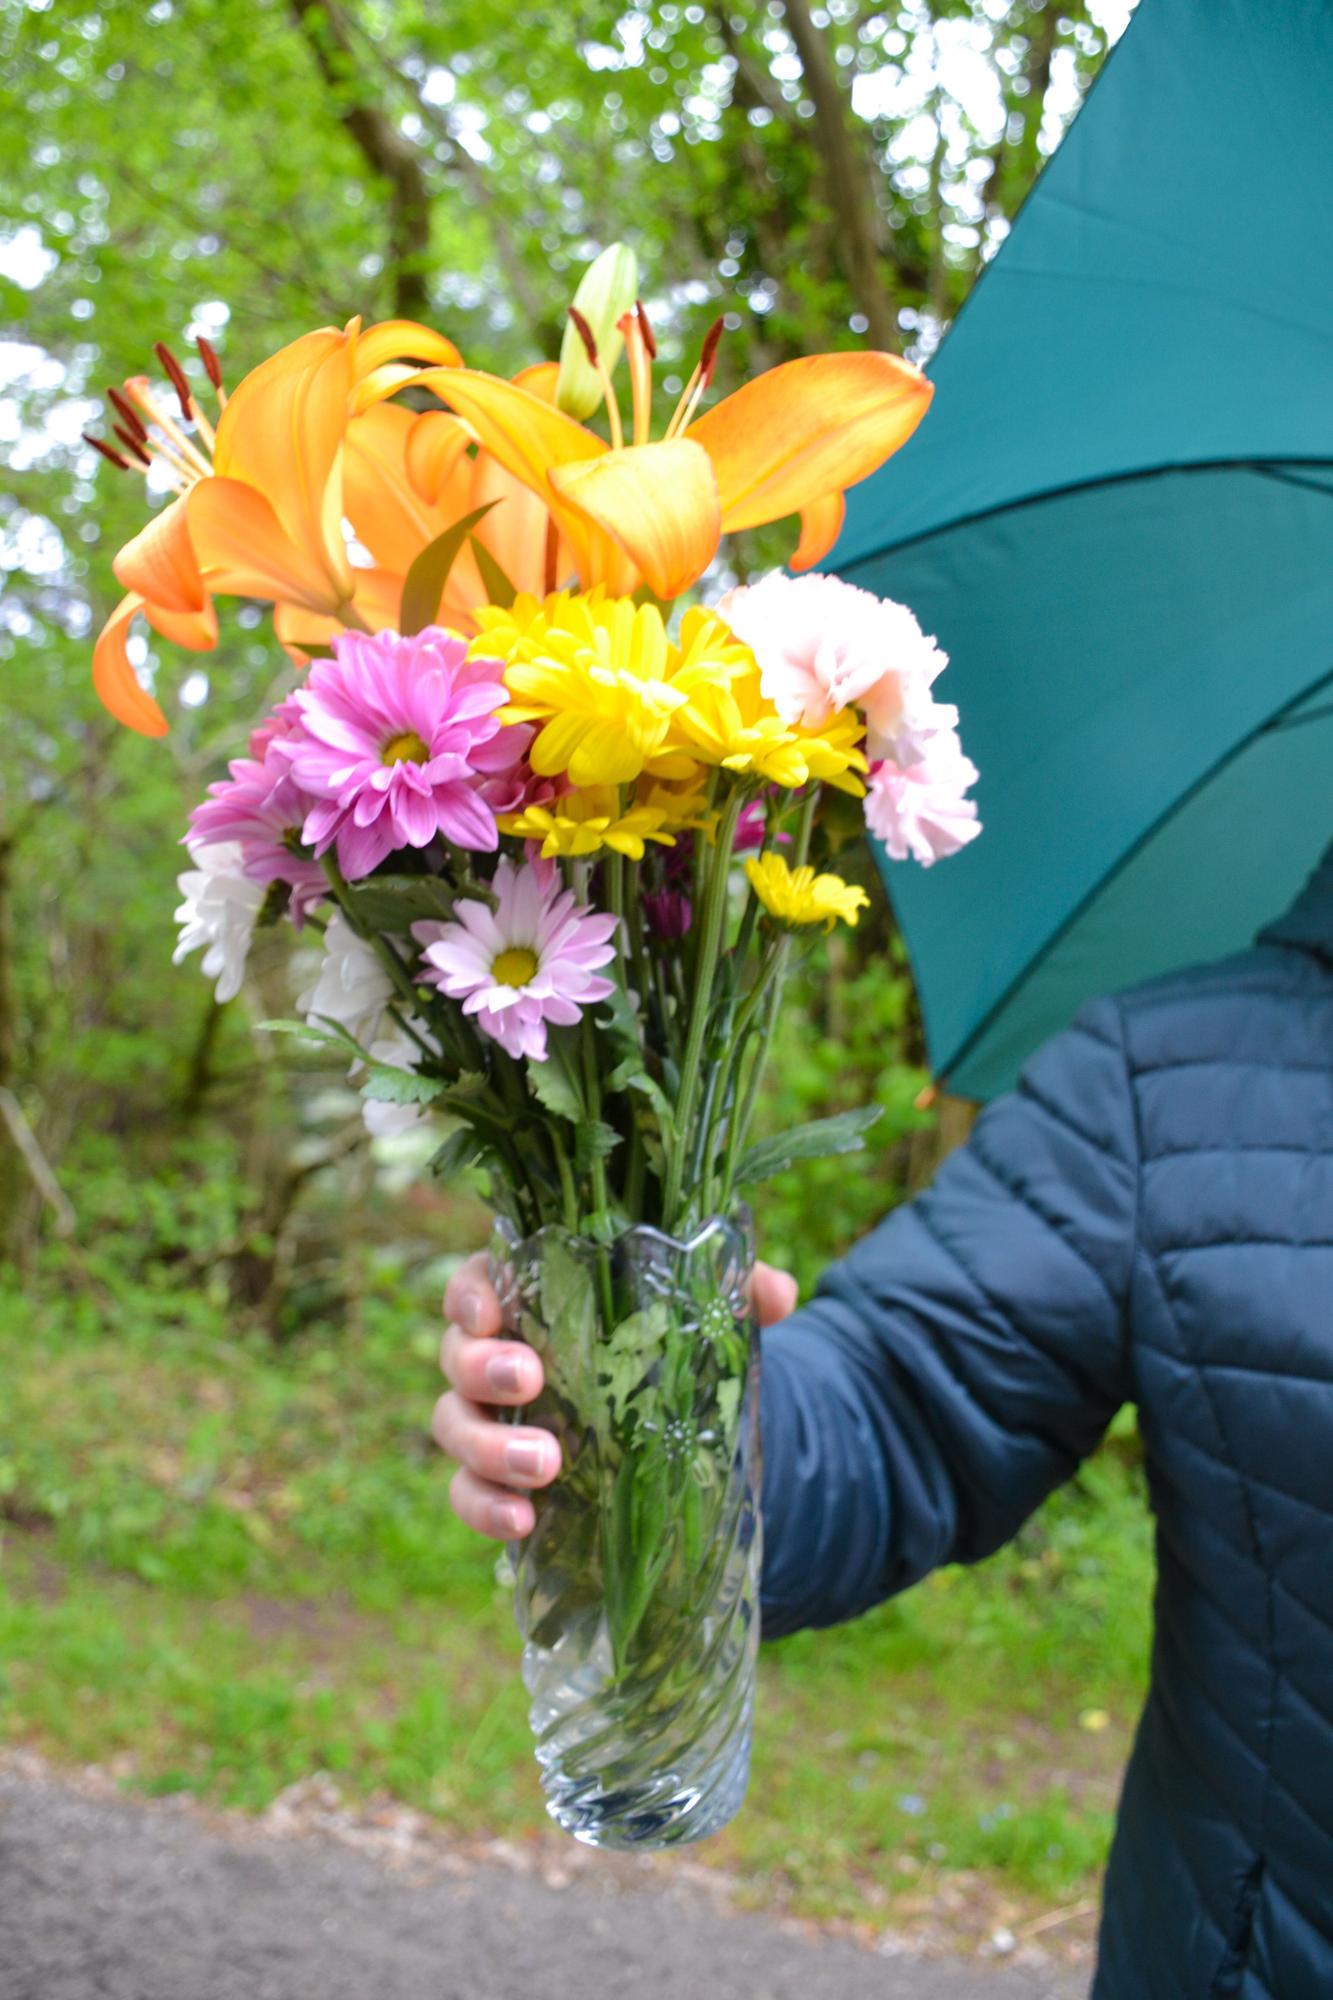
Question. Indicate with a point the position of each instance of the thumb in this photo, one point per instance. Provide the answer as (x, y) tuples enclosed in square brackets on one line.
[(773, 1294)]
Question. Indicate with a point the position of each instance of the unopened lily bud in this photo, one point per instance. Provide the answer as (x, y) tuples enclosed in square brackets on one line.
[(607, 289)]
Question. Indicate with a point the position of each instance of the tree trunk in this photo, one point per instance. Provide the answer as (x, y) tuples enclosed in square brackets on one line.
[(851, 177)]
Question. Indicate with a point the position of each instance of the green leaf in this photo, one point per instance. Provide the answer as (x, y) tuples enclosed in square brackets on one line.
[(625, 1360), (319, 1028), (843, 1134), (499, 590), (462, 1149), (555, 1082), (396, 902), (593, 1141), (423, 586), (387, 1084), (568, 1329)]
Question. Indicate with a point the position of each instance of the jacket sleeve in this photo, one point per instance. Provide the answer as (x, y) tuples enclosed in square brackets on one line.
[(967, 1354)]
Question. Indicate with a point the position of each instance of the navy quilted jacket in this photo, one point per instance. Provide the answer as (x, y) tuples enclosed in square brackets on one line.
[(1147, 1218)]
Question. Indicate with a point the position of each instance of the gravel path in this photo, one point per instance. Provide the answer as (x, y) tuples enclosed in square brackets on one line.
[(107, 1899)]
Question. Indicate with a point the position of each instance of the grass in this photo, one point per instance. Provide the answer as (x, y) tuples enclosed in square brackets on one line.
[(228, 1564)]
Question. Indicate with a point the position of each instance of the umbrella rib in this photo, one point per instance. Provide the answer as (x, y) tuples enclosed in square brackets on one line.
[(1268, 468), (1283, 718)]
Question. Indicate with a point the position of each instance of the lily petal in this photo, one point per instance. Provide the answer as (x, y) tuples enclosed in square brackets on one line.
[(301, 632), (540, 379), (244, 550), (114, 679), (821, 524), (434, 444), (384, 504), (403, 340), (659, 501), (160, 565), (282, 433), (807, 429)]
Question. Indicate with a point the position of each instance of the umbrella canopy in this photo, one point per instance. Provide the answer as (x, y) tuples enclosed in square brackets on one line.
[(1118, 520)]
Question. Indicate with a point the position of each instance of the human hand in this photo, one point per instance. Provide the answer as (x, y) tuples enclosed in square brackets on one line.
[(499, 1465)]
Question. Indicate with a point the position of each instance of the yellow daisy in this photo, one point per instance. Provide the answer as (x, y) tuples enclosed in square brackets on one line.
[(732, 723), (595, 675), (799, 896), (585, 822)]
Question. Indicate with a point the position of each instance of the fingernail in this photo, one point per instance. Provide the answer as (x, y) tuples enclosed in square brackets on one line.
[(507, 1517), (530, 1461), (504, 1375), (469, 1312)]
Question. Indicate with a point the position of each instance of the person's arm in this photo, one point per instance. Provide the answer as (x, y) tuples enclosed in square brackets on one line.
[(958, 1364)]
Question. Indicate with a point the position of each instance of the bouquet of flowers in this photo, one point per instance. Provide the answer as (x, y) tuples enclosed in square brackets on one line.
[(560, 838)]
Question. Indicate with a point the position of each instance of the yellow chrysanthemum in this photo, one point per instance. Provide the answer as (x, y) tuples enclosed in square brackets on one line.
[(732, 722), (596, 674), (587, 821), (799, 896)]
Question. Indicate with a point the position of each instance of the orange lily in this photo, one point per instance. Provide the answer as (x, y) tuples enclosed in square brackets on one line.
[(788, 442), (264, 518)]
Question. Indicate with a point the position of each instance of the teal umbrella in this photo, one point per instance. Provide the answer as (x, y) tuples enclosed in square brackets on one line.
[(1117, 518)]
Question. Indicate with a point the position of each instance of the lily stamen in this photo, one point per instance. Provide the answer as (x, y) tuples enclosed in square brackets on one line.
[(212, 367), (639, 351), (112, 457), (697, 385), (127, 413), (596, 362), (131, 443), (173, 444)]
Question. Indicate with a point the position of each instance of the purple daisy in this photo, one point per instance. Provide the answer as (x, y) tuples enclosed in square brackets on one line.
[(530, 961), (396, 738), (262, 809)]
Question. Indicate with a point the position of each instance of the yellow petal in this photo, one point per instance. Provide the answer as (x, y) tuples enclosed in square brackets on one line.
[(530, 437), (807, 429), (821, 524), (540, 379), (159, 564), (244, 551), (114, 679), (403, 340), (658, 501), (282, 433)]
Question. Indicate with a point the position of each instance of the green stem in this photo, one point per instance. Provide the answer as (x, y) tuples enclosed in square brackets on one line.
[(710, 937)]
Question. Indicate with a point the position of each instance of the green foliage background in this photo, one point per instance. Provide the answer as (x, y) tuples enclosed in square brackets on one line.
[(217, 1384)]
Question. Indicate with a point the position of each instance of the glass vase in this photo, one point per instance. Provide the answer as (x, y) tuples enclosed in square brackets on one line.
[(637, 1594)]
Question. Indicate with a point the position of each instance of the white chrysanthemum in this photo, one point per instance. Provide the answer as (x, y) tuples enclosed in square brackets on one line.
[(353, 988), (389, 1121), (219, 911)]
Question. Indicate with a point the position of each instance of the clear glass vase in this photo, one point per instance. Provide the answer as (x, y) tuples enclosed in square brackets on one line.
[(637, 1594)]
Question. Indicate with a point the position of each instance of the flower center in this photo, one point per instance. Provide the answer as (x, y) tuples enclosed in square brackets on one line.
[(405, 748), (514, 967)]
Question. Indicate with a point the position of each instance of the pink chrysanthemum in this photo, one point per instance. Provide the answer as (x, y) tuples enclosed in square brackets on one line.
[(396, 737), (824, 645), (920, 809), (262, 809), (530, 961)]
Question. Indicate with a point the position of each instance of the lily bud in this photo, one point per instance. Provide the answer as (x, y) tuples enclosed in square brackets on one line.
[(607, 289)]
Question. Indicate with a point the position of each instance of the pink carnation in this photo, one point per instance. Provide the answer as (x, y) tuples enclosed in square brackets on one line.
[(530, 961), (824, 645), (396, 738), (919, 808)]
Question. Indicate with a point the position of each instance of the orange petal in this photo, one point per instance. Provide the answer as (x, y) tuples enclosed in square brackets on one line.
[(244, 550), (807, 429), (821, 524), (515, 530), (159, 564), (403, 340), (434, 443), (540, 379), (384, 506), (659, 501), (282, 433), (114, 679), (301, 632)]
